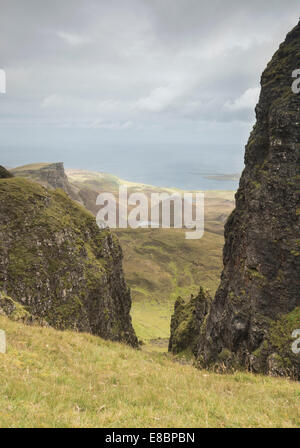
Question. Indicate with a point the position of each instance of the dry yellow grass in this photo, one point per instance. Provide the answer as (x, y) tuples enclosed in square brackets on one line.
[(65, 379)]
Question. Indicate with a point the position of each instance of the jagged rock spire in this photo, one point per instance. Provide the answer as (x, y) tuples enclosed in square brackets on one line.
[(257, 305)]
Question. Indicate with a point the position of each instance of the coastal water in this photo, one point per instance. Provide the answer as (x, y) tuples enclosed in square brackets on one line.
[(189, 167)]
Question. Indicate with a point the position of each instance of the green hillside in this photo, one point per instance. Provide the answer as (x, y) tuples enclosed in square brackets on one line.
[(50, 378), (159, 264)]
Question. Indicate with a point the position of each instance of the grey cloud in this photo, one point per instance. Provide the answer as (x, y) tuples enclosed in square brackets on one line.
[(137, 64)]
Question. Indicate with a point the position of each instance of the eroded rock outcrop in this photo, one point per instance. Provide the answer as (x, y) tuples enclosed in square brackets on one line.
[(59, 265), (189, 316), (4, 173), (50, 175), (53, 175), (257, 305)]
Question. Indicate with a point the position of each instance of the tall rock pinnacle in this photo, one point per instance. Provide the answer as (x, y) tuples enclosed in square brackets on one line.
[(257, 306)]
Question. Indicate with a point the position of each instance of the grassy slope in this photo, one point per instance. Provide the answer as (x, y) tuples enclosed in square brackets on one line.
[(31, 167), (64, 379), (160, 265)]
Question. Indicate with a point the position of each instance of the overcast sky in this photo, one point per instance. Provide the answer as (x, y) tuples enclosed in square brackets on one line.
[(87, 75)]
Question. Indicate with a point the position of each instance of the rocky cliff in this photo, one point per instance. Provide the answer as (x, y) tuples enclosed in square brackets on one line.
[(4, 174), (57, 264), (257, 305), (50, 175), (189, 316), (53, 175)]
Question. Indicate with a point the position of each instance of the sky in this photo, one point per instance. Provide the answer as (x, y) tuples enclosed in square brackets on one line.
[(97, 84)]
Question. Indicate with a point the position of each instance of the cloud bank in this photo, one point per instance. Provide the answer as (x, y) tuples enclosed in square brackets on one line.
[(160, 71)]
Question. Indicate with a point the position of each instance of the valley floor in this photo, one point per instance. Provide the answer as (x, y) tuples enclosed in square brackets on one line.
[(65, 379), (160, 265)]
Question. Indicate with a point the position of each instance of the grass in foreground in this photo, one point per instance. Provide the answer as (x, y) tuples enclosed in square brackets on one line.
[(65, 379)]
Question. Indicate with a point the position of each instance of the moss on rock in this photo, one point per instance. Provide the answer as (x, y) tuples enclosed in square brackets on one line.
[(59, 265), (186, 322), (17, 312)]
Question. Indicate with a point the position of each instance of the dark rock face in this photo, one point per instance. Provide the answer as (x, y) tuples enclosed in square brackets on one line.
[(4, 174), (188, 317), (16, 312), (257, 305), (57, 263)]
